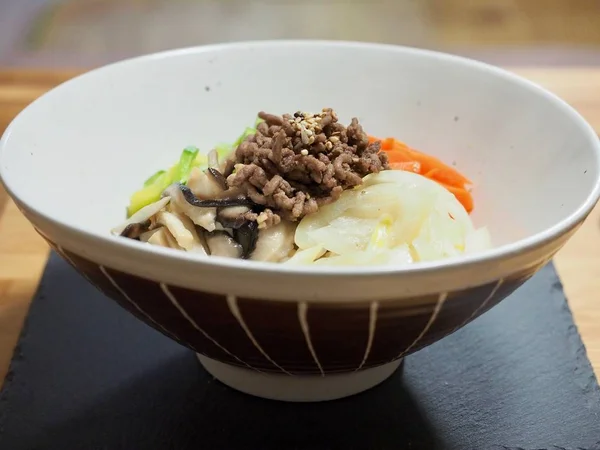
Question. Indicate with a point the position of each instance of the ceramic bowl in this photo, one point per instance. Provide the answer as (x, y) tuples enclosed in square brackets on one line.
[(72, 158)]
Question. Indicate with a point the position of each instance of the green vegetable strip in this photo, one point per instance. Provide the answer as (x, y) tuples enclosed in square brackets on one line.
[(247, 132), (180, 172), (151, 193), (223, 151), (188, 156), (153, 178), (200, 161)]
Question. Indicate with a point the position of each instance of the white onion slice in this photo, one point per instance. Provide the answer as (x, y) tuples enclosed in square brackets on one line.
[(394, 217)]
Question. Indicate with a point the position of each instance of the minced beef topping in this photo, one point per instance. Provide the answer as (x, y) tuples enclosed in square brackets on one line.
[(296, 163)]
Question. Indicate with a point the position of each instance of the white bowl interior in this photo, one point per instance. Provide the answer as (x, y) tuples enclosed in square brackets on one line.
[(79, 152)]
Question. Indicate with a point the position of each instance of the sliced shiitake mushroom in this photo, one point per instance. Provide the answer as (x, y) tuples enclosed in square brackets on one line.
[(135, 230), (218, 177), (141, 217), (161, 237), (201, 216), (274, 243), (183, 230), (246, 236), (204, 212), (232, 216), (227, 167), (144, 237), (213, 159), (204, 185), (220, 243), (216, 202)]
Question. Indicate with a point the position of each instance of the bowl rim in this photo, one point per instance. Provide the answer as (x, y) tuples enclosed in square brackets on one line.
[(524, 245)]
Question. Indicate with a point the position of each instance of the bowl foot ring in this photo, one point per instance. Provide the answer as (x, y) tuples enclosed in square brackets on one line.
[(308, 388)]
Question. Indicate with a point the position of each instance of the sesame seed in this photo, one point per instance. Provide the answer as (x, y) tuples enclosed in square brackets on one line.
[(311, 140), (334, 139), (304, 136), (309, 132), (328, 145), (304, 152)]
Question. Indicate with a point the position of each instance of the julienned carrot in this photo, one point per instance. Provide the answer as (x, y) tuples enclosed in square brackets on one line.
[(402, 157), (388, 144), (409, 166), (429, 163), (399, 156), (400, 152), (451, 178), (462, 195), (396, 151)]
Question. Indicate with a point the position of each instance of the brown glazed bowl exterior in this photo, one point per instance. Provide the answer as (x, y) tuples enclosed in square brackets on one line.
[(296, 337)]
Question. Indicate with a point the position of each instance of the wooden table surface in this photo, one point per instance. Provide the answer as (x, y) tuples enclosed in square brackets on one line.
[(23, 254)]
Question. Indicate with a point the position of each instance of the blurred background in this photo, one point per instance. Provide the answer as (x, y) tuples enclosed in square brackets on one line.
[(84, 33)]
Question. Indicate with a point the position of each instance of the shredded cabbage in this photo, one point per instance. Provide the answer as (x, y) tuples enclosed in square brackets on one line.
[(394, 217)]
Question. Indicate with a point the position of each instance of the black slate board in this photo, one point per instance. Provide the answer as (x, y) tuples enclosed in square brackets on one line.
[(87, 375)]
